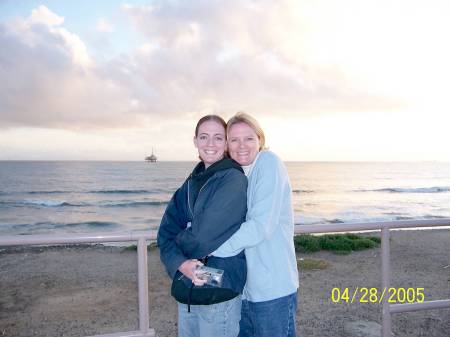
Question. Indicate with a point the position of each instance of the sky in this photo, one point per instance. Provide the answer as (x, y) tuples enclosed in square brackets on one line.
[(350, 80)]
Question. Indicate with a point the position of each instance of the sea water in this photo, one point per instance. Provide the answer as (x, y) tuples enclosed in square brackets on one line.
[(75, 197)]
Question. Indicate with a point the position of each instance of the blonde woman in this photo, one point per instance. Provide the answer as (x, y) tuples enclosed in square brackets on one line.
[(270, 294)]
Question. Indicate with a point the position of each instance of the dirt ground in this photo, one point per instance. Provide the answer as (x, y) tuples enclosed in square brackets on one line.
[(89, 290)]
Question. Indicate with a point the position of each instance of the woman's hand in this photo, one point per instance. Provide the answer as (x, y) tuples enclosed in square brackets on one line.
[(188, 268)]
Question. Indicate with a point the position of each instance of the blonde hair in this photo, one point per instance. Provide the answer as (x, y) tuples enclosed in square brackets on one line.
[(242, 117)]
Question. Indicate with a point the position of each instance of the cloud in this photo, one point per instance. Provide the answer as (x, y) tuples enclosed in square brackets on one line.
[(104, 26), (49, 79), (45, 16), (261, 56), (266, 57)]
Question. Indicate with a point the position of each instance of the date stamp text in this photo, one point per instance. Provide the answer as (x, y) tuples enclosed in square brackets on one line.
[(376, 295)]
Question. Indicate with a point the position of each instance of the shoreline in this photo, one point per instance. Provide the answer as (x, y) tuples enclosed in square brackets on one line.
[(66, 289)]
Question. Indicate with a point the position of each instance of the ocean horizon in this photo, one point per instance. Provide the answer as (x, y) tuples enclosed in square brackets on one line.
[(74, 196)]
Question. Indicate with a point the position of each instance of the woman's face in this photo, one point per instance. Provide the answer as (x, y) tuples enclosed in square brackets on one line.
[(243, 143), (210, 142)]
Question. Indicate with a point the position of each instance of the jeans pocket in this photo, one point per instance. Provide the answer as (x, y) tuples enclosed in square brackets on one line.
[(232, 308)]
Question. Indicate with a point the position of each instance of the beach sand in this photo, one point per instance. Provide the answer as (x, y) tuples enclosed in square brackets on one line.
[(88, 290)]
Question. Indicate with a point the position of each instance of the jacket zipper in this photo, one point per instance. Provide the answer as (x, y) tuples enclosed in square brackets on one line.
[(189, 202)]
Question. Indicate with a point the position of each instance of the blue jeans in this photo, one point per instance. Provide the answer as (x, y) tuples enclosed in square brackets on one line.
[(221, 319), (274, 318)]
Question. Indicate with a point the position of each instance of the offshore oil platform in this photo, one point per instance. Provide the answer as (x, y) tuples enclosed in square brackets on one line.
[(152, 158)]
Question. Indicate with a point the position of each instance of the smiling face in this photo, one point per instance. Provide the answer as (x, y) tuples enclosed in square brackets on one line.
[(210, 142), (243, 143)]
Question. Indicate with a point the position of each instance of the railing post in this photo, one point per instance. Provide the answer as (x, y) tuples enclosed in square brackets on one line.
[(143, 285), (385, 281)]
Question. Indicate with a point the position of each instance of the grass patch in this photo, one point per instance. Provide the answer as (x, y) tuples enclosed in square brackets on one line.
[(306, 243), (374, 239), (337, 243), (312, 264)]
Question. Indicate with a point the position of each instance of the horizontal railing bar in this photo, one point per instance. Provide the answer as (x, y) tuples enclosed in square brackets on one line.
[(150, 333), (42, 239), (357, 226), (427, 305)]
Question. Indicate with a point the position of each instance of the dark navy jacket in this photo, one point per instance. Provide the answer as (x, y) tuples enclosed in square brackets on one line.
[(215, 212)]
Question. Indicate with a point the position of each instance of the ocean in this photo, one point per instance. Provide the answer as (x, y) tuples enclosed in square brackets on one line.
[(42, 197)]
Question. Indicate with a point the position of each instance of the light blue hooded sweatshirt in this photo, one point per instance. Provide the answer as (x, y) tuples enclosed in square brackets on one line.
[(267, 234)]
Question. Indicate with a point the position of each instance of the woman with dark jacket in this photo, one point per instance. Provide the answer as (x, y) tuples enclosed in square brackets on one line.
[(203, 213)]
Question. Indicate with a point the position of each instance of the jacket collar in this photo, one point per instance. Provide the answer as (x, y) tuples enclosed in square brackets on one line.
[(200, 175)]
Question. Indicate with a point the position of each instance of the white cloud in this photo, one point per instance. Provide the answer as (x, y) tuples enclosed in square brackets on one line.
[(45, 16), (49, 79), (255, 57), (287, 58), (104, 26)]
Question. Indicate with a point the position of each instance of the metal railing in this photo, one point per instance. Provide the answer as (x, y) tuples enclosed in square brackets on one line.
[(142, 237), (385, 227)]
